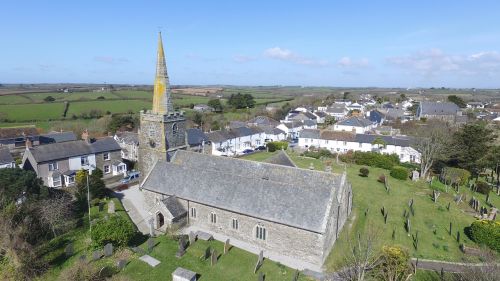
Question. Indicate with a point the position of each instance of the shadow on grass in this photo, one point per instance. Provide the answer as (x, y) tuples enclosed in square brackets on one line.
[(138, 240)]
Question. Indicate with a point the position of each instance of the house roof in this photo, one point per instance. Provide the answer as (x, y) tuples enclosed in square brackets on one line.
[(128, 137), (337, 109), (18, 132), (438, 108), (53, 137), (287, 195), (336, 135), (355, 122), (5, 156), (376, 116), (310, 134), (361, 138), (390, 140), (195, 136), (263, 121), (320, 114), (62, 150), (310, 122), (219, 136)]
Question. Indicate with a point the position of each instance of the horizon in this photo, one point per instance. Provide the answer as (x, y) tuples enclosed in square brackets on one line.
[(382, 45)]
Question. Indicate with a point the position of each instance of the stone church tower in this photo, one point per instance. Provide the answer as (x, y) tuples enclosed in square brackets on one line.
[(162, 130)]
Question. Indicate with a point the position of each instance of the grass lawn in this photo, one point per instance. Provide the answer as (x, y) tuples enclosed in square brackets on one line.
[(114, 106), (32, 112), (431, 220)]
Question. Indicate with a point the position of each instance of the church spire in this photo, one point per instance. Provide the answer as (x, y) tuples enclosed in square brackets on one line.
[(162, 102)]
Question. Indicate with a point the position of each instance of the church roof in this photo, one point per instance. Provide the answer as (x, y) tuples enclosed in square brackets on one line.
[(296, 197)]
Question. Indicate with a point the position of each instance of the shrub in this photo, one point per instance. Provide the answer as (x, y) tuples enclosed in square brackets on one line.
[(400, 173), (483, 187), (364, 172), (322, 153), (347, 157), (381, 178), (487, 233), (276, 145), (455, 175), (375, 159), (49, 99), (116, 229)]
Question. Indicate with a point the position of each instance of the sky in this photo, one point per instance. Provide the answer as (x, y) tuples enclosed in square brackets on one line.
[(309, 43)]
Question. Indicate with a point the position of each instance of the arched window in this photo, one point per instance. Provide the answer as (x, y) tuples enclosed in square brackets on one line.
[(160, 219), (175, 129)]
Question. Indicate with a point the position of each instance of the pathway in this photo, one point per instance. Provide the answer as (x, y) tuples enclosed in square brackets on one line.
[(134, 203)]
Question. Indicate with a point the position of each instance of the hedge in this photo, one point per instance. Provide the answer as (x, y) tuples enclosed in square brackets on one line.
[(455, 175), (116, 230), (319, 154), (276, 145), (487, 233), (375, 159), (400, 173), (483, 187)]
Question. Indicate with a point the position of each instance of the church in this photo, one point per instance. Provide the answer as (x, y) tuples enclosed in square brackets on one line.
[(290, 214)]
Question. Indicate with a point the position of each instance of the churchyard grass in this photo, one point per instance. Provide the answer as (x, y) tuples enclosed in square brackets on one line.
[(431, 219)]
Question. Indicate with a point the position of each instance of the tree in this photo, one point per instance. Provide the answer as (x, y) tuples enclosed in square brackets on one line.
[(346, 95), (471, 146), (122, 122), (215, 104), (380, 142), (198, 118), (457, 100), (361, 256), (394, 264), (239, 101), (17, 184), (56, 211), (49, 99), (116, 229), (430, 141), (96, 184)]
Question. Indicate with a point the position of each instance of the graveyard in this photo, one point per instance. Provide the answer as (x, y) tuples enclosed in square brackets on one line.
[(387, 213)]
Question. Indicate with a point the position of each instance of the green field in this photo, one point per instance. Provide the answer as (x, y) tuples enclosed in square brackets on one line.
[(431, 220)]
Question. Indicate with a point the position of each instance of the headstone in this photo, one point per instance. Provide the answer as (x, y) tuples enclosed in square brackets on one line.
[(121, 264), (152, 227), (311, 166), (208, 251), (296, 275), (150, 260), (226, 247), (151, 244), (101, 206), (69, 250), (96, 255), (415, 175), (259, 261), (213, 258), (83, 258), (182, 248), (108, 250), (261, 276), (138, 250), (111, 207), (192, 238)]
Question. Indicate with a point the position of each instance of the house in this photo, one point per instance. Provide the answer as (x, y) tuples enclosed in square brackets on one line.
[(291, 129), (342, 142), (375, 116), (234, 141), (355, 107), (300, 116), (357, 125), (262, 121), (320, 116), (54, 137), (445, 111), (15, 138), (129, 144), (57, 163), (198, 141), (6, 160), (203, 108), (280, 209), (475, 105), (338, 111)]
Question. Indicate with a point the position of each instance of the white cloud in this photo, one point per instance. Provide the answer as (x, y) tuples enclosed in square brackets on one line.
[(287, 55), (243, 58), (110, 59), (347, 62), (434, 62)]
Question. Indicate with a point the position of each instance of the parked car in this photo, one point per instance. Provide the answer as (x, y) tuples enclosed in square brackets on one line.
[(260, 148), (246, 151), (131, 176)]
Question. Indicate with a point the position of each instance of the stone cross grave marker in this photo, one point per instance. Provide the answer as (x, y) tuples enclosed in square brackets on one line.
[(192, 238), (69, 250), (108, 250), (96, 255), (151, 244), (121, 264), (111, 207), (226, 246), (213, 258), (259, 262), (101, 206)]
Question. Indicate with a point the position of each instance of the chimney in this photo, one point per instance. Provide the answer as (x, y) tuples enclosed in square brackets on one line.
[(29, 144), (85, 136)]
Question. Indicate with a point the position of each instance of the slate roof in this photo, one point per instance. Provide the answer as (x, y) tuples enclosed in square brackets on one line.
[(355, 122), (5, 156), (54, 137), (376, 116), (293, 124), (310, 122), (362, 138), (390, 140), (320, 114), (220, 136), (281, 158), (18, 132), (296, 197), (128, 137), (336, 135), (174, 206), (195, 137), (437, 108), (263, 121), (62, 150), (336, 109)]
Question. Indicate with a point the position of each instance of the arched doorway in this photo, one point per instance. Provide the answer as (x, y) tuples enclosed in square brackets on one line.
[(160, 220)]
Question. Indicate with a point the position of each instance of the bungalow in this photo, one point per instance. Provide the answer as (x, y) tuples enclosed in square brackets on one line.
[(355, 124), (342, 142), (57, 163), (6, 160)]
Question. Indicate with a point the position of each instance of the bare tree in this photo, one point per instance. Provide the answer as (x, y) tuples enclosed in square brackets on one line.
[(489, 270), (361, 257), (56, 212)]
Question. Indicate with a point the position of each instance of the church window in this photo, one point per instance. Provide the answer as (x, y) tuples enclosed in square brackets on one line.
[(260, 232), (175, 129), (235, 224), (193, 212), (213, 218)]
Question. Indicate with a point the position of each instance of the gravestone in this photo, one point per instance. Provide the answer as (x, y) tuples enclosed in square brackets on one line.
[(111, 207), (138, 250), (415, 175), (213, 258), (83, 258), (101, 206), (259, 261), (96, 255), (121, 264), (182, 248), (226, 246), (151, 244), (152, 227), (261, 277), (192, 238), (296, 275), (108, 250), (208, 251), (69, 250)]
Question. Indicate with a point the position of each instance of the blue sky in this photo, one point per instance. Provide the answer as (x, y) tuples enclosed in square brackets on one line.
[(317, 43)]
